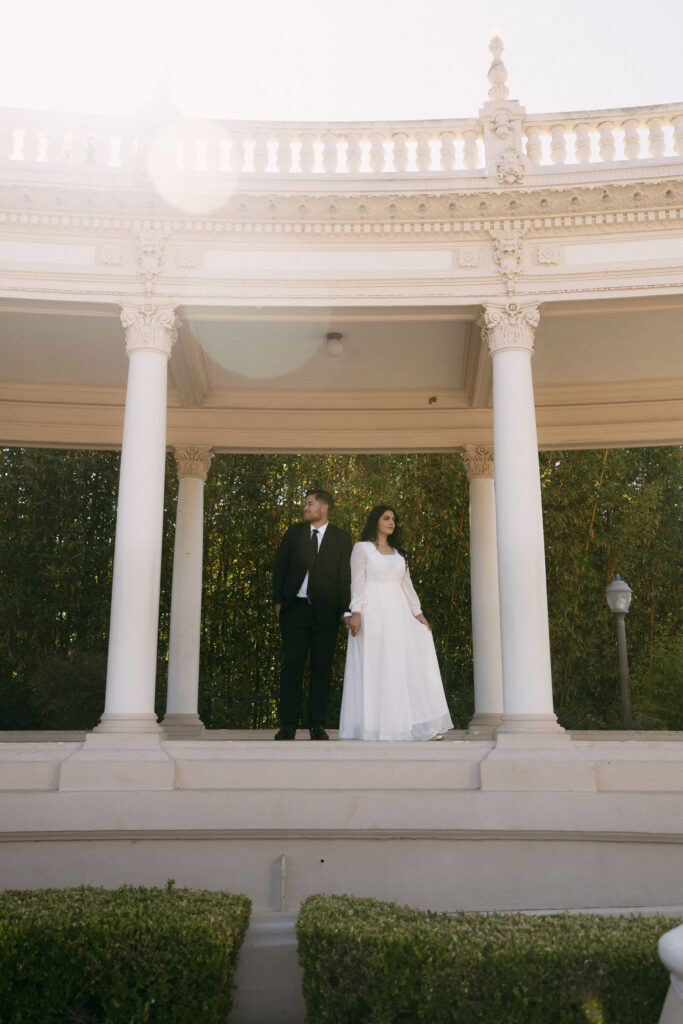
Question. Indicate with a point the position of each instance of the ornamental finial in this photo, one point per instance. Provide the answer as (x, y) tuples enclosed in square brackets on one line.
[(497, 72)]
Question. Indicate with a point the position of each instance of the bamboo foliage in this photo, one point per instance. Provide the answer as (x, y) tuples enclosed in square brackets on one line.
[(603, 511)]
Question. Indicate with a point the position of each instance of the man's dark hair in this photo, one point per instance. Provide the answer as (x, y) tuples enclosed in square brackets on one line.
[(324, 497)]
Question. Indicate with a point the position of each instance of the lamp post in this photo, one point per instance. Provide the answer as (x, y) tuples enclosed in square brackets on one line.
[(618, 596)]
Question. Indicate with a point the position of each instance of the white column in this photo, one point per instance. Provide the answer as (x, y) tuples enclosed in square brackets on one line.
[(488, 673), (527, 686), (131, 670), (182, 717)]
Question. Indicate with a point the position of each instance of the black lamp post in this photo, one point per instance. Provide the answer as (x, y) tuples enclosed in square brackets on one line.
[(618, 596)]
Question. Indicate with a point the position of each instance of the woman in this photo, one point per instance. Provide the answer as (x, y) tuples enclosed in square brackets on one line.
[(392, 683)]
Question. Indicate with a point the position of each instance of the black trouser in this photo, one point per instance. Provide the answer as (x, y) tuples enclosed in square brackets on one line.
[(302, 634)]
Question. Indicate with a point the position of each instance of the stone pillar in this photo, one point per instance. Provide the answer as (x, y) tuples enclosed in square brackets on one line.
[(488, 676), (182, 719), (527, 686), (131, 670)]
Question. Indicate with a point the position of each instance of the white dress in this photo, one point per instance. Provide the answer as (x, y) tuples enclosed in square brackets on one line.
[(392, 682)]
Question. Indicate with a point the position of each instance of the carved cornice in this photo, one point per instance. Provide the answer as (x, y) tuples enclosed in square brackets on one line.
[(478, 459), (511, 326), (424, 212), (193, 460), (149, 328)]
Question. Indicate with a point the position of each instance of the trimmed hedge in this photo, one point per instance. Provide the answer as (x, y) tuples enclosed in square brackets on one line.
[(367, 962), (128, 956)]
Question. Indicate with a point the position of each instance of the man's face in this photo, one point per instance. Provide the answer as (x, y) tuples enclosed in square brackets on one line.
[(314, 510)]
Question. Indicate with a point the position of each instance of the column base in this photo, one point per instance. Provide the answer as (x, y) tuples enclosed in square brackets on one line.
[(530, 725), (483, 726), (129, 724), (118, 761), (537, 761), (179, 726)]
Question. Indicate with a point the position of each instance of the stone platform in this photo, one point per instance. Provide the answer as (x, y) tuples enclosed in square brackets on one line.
[(592, 820)]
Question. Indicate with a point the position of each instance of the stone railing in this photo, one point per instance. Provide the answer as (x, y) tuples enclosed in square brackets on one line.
[(341, 151)]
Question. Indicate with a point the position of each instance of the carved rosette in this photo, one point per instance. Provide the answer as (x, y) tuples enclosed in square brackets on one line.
[(149, 328), (193, 460), (511, 326), (478, 459)]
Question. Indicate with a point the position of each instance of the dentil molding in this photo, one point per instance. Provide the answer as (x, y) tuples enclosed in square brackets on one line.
[(149, 328)]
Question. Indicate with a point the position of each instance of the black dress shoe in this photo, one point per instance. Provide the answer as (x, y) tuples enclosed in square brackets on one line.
[(285, 733), (318, 733)]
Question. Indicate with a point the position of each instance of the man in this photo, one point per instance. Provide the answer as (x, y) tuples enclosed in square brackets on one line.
[(311, 591)]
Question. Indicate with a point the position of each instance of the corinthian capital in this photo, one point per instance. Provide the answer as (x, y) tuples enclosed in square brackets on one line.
[(510, 326), (193, 460), (478, 459), (152, 328)]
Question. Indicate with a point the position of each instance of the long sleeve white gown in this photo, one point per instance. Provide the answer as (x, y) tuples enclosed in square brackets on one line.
[(392, 682)]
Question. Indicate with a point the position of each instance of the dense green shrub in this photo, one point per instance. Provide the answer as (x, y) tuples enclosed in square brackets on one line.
[(367, 962), (129, 956)]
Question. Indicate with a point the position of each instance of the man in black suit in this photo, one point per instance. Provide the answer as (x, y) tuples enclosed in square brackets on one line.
[(311, 591)]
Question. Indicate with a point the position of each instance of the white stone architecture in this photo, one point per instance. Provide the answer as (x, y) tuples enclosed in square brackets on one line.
[(218, 257)]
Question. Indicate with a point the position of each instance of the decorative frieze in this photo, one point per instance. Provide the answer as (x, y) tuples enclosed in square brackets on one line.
[(150, 328), (507, 255), (510, 326), (193, 460), (109, 255), (467, 258), (547, 255), (478, 459)]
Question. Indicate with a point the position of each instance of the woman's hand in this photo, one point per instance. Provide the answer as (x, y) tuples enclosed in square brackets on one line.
[(354, 624), (421, 618)]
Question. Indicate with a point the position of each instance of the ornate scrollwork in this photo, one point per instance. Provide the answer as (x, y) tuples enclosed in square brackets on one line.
[(193, 460), (510, 167), (478, 459), (149, 327), (511, 326), (507, 255)]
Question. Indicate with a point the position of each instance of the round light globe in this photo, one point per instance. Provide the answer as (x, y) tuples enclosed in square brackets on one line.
[(618, 595)]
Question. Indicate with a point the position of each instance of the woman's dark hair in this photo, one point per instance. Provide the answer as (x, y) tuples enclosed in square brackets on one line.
[(370, 529)]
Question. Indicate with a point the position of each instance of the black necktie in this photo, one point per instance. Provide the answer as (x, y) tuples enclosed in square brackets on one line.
[(312, 549)]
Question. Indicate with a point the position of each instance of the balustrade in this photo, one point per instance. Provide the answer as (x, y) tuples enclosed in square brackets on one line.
[(437, 148)]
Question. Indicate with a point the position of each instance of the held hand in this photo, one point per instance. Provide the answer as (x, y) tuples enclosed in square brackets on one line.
[(421, 618), (354, 623)]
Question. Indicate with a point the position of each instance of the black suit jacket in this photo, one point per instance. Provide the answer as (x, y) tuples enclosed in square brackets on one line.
[(329, 585)]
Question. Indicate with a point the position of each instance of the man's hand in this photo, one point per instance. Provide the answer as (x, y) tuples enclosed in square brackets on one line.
[(353, 623), (277, 610), (421, 618)]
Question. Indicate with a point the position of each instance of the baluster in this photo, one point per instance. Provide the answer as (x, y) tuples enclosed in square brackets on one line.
[(582, 147), (31, 143), (307, 154), (533, 144), (330, 154), (677, 122), (400, 151), (101, 149), (447, 151), (424, 151), (471, 152), (656, 141), (190, 150), (631, 139), (377, 152), (236, 153), (6, 141), (284, 153), (260, 152), (606, 145), (127, 150), (213, 153), (78, 150), (558, 144), (54, 149), (354, 156)]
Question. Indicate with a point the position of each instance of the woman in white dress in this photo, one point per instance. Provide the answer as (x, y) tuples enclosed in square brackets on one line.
[(392, 682)]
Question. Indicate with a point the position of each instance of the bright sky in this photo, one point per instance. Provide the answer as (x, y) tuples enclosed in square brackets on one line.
[(337, 59)]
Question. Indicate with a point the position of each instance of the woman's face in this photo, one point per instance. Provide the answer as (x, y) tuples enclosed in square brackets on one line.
[(386, 524)]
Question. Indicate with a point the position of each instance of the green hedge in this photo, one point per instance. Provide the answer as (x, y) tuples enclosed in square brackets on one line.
[(367, 962), (122, 957)]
